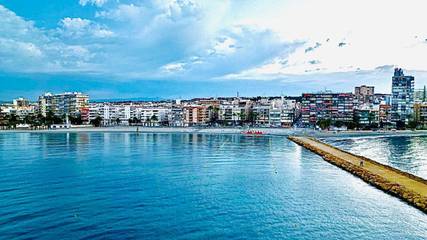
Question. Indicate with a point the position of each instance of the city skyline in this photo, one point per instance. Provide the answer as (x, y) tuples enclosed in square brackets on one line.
[(189, 48), (365, 109)]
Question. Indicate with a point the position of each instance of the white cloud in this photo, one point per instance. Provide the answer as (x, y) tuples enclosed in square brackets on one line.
[(77, 27), (370, 33), (173, 67), (226, 39), (98, 3), (26, 48), (74, 24), (123, 12), (223, 46)]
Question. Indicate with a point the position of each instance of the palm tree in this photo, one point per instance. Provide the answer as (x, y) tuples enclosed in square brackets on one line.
[(96, 122), (13, 120), (242, 116), (252, 117), (371, 117)]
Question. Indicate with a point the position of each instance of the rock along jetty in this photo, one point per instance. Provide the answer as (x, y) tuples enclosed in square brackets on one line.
[(403, 185)]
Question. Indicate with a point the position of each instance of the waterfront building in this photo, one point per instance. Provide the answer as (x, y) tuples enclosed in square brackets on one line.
[(262, 113), (275, 113), (289, 112), (95, 110), (402, 97), (111, 114), (281, 112), (384, 114), (152, 116), (322, 106), (364, 94), (176, 117), (71, 103), (20, 107), (382, 98), (197, 115), (21, 103), (420, 95), (231, 113), (367, 115), (47, 103), (420, 114), (125, 113)]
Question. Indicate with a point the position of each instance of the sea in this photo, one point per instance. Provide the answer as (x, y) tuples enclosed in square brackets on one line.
[(119, 185), (407, 153)]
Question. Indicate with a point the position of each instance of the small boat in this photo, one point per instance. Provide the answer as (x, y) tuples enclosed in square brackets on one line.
[(252, 132)]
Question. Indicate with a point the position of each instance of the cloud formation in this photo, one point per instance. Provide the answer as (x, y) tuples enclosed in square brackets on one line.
[(98, 3), (206, 40)]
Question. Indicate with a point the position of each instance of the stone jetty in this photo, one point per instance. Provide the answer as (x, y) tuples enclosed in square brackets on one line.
[(403, 185)]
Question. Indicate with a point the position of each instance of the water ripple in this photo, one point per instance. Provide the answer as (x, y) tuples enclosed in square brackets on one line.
[(192, 186)]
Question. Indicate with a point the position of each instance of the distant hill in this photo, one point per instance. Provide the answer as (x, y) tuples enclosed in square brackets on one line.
[(154, 99)]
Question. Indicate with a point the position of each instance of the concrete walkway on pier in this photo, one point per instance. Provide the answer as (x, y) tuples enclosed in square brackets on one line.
[(411, 188)]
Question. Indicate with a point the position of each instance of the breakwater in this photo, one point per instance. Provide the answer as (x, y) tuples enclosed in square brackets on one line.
[(403, 185)]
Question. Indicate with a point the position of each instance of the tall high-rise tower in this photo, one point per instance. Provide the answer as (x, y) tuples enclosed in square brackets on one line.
[(402, 97)]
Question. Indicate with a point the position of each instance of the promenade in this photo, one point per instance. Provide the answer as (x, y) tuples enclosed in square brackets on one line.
[(407, 187)]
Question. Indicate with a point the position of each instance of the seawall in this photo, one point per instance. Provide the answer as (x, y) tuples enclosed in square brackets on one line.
[(403, 185)]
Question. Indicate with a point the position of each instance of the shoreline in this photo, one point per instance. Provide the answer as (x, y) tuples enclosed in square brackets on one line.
[(266, 131), (410, 188)]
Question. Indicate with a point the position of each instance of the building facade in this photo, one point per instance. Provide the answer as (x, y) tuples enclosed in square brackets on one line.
[(420, 114), (402, 97), (73, 104), (364, 94), (321, 106)]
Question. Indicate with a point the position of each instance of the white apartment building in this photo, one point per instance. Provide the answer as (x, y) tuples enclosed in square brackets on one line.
[(72, 103), (231, 113), (281, 113), (121, 113)]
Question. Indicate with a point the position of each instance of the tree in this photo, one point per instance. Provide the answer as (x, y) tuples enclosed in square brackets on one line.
[(242, 116), (252, 117), (400, 125), (135, 120), (324, 123), (154, 118), (213, 114), (29, 119), (96, 122), (351, 125), (13, 120), (412, 124), (338, 124), (51, 118), (371, 118), (76, 120), (40, 120), (118, 121), (356, 122)]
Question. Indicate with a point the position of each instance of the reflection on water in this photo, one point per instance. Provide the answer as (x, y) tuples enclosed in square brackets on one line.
[(188, 186), (405, 153)]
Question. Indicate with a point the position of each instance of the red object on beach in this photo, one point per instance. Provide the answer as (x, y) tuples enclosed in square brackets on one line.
[(250, 132)]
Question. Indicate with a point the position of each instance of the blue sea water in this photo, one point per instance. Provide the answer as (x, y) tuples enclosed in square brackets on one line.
[(407, 153), (186, 186)]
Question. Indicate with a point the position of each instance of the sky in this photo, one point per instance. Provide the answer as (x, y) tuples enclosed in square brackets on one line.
[(192, 48)]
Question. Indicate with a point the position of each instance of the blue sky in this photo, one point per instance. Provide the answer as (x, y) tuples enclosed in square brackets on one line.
[(190, 48)]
